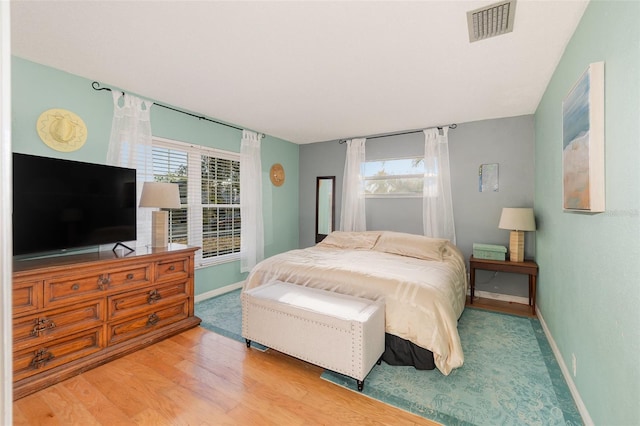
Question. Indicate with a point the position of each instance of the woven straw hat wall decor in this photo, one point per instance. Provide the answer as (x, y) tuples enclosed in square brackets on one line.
[(61, 130)]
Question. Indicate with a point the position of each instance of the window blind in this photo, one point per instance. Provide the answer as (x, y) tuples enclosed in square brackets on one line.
[(209, 183)]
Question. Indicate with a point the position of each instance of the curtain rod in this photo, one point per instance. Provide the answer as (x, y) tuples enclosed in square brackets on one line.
[(451, 126), (96, 86)]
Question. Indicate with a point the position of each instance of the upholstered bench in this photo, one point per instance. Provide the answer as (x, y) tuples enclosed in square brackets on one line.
[(338, 332)]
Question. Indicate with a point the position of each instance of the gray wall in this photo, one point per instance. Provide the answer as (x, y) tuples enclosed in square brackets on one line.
[(506, 141)]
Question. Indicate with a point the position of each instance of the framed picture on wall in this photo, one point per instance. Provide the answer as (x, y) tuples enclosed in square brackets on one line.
[(583, 143)]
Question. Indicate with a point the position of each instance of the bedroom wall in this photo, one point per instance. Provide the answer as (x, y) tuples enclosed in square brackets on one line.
[(506, 141), (37, 88), (589, 289)]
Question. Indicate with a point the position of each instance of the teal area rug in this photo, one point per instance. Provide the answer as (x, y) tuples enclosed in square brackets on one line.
[(509, 377), (223, 315)]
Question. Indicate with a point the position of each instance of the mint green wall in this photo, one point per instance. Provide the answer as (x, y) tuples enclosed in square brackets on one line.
[(589, 287), (36, 88)]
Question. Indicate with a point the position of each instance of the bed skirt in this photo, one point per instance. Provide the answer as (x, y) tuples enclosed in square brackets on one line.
[(398, 351)]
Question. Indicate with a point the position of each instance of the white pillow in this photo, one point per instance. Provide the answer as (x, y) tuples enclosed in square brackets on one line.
[(411, 245), (351, 240)]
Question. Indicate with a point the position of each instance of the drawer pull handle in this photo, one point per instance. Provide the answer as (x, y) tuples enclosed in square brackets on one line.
[(154, 296), (41, 358), (129, 276), (172, 268), (103, 282), (153, 319), (42, 324), (76, 286)]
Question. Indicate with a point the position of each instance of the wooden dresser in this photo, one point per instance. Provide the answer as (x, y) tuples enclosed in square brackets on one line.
[(73, 313)]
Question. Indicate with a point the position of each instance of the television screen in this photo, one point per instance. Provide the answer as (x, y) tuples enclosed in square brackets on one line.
[(62, 204)]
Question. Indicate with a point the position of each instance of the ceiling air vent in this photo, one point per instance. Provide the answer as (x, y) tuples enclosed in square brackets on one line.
[(491, 21)]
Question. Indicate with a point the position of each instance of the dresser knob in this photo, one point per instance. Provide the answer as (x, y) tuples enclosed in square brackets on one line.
[(75, 286), (41, 325), (153, 319), (129, 276), (103, 282), (41, 358), (172, 267), (154, 296)]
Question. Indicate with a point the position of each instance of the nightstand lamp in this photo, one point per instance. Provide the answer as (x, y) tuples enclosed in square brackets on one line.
[(164, 196), (517, 220)]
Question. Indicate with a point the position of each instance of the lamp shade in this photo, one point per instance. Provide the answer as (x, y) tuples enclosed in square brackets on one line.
[(160, 194), (517, 219)]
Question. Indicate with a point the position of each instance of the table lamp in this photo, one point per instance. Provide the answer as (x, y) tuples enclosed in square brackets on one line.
[(517, 220), (163, 196)]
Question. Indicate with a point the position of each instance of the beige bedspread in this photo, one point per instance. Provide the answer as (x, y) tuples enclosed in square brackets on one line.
[(423, 298)]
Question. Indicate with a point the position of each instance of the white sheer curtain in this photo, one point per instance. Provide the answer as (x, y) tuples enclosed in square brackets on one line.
[(130, 146), (437, 207), (353, 216), (252, 232)]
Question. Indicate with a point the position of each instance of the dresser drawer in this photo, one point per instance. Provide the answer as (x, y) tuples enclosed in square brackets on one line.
[(172, 269), (61, 291), (130, 278), (134, 302), (47, 325), (151, 320), (28, 362), (27, 296)]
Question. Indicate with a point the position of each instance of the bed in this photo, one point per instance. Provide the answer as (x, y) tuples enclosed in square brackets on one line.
[(422, 281)]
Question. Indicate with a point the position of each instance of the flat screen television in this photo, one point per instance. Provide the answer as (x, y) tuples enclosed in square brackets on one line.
[(60, 205)]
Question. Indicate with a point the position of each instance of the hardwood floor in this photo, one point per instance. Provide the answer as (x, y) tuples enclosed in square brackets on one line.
[(201, 378)]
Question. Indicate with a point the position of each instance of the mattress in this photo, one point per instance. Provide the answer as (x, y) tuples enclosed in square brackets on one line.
[(422, 281)]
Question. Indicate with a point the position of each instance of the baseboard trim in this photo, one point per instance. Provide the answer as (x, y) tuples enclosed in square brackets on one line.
[(500, 296), (582, 409), (218, 291)]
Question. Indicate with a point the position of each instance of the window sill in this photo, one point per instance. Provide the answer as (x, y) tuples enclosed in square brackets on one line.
[(218, 260)]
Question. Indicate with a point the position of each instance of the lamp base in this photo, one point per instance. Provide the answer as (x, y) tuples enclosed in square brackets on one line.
[(159, 228), (516, 246)]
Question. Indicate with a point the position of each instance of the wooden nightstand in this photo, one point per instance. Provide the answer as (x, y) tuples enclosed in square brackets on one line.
[(528, 267)]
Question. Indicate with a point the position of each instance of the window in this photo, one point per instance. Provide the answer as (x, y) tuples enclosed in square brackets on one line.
[(209, 182), (401, 177)]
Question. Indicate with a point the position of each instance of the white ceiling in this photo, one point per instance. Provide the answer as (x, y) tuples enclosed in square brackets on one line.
[(305, 71)]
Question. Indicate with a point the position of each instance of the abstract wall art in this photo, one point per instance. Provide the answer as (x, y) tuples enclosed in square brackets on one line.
[(583, 171)]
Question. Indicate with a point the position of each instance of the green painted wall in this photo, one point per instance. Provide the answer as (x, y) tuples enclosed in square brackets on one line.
[(589, 291), (36, 88)]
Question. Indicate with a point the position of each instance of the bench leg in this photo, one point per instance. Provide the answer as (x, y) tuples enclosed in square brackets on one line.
[(360, 385), (248, 342)]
